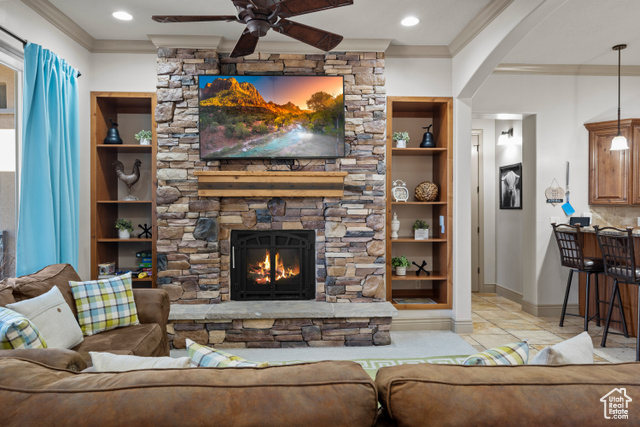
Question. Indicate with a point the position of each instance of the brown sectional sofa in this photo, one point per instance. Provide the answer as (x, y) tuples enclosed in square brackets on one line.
[(149, 338), (332, 393)]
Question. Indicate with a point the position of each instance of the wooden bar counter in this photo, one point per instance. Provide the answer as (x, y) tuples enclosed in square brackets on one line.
[(628, 293)]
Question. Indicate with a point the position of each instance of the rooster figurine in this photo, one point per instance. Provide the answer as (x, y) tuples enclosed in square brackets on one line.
[(130, 179)]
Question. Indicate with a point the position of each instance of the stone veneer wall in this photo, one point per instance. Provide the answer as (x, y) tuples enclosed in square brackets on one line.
[(193, 232)]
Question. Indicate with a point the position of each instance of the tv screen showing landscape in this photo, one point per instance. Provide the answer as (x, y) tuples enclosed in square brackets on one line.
[(277, 117)]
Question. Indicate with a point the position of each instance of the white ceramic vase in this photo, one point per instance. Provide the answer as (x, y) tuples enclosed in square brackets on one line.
[(124, 234), (145, 141), (395, 226), (401, 143), (401, 271), (422, 234)]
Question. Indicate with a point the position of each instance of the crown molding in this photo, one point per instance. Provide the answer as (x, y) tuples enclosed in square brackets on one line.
[(62, 22), (124, 46), (418, 52), (347, 45), (567, 69), (477, 24), (191, 42)]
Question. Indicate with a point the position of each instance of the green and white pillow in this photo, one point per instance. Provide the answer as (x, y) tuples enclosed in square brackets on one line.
[(206, 357), (105, 304), (51, 314), (511, 354), (17, 332)]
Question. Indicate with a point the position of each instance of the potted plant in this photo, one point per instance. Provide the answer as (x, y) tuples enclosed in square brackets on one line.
[(401, 139), (400, 264), (144, 136), (124, 227), (420, 230)]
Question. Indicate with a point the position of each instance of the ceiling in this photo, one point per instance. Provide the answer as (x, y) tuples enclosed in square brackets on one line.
[(581, 32)]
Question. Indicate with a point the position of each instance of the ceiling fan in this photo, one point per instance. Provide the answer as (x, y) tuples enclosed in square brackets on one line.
[(261, 15)]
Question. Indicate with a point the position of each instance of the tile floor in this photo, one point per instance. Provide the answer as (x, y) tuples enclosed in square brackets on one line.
[(498, 320)]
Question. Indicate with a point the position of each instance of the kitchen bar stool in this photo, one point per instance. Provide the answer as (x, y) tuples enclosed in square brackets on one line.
[(570, 243), (616, 245)]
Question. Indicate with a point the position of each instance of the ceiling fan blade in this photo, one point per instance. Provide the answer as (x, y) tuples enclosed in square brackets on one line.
[(290, 8), (193, 18), (312, 36), (246, 44)]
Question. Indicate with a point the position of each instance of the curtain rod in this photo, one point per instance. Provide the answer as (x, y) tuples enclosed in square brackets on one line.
[(20, 39)]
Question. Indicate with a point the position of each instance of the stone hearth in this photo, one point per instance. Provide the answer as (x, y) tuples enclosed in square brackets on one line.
[(281, 324)]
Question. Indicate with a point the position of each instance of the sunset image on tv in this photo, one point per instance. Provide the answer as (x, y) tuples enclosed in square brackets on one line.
[(271, 117)]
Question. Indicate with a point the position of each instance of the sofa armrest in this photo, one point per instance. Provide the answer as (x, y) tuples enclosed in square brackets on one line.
[(153, 306), (54, 357)]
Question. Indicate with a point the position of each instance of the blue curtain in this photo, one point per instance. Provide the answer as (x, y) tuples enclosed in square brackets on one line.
[(48, 221)]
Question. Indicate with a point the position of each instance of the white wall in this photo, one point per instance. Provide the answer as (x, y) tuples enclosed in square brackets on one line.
[(123, 72), (562, 104), (24, 22), (418, 77)]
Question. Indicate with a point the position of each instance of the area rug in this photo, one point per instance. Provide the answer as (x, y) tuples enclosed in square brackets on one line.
[(371, 366)]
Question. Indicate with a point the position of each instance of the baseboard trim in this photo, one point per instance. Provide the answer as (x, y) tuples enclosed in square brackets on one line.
[(488, 288), (509, 294), (462, 326), (415, 320), (547, 310)]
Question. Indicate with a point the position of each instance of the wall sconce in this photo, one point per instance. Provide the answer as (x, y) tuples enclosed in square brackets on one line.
[(506, 137)]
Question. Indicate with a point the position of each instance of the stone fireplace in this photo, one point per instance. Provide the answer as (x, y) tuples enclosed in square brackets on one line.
[(194, 233), (272, 265)]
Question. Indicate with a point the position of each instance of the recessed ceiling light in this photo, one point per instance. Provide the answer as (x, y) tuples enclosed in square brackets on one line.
[(410, 21), (122, 15)]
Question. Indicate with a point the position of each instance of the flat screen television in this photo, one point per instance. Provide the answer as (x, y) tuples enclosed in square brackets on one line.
[(271, 117)]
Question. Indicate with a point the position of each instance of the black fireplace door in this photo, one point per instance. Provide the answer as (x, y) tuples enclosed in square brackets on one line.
[(272, 265)]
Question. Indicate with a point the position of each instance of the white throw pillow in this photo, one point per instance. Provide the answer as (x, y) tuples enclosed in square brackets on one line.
[(53, 318), (576, 350), (108, 362)]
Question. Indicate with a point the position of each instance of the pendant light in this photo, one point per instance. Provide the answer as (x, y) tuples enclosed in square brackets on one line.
[(619, 142)]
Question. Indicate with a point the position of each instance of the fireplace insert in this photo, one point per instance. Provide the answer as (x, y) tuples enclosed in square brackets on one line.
[(273, 265)]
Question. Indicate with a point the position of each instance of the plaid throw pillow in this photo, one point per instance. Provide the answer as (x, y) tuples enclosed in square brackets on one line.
[(206, 357), (16, 331), (511, 354), (105, 304)]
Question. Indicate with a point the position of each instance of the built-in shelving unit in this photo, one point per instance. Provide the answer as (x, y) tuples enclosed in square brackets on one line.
[(414, 165), (133, 111)]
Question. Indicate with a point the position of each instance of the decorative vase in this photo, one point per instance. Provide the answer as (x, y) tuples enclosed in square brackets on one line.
[(401, 271), (401, 143), (395, 226), (145, 141), (124, 234), (421, 234)]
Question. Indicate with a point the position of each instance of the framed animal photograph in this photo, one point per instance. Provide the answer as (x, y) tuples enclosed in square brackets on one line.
[(511, 186)]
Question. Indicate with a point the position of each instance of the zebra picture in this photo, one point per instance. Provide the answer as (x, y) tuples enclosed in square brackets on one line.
[(511, 186)]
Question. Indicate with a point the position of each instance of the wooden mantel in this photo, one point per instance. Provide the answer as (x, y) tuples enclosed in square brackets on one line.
[(270, 184)]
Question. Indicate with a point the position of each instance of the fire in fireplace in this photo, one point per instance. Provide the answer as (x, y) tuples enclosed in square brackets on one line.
[(272, 265)]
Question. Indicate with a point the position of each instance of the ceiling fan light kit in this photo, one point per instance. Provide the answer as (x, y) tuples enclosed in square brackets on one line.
[(260, 16)]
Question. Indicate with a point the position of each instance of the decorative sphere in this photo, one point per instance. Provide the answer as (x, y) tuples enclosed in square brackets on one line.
[(426, 191)]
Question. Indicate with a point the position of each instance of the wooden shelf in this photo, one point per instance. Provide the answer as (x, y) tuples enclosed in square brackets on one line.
[(134, 111), (417, 151), (412, 240), (125, 202), (414, 165), (411, 275), (125, 148), (270, 184), (418, 203), (116, 240)]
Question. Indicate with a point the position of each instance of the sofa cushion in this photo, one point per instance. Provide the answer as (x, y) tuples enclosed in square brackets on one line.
[(497, 395), (53, 318), (139, 340), (516, 353), (105, 304), (109, 362), (16, 331), (32, 285), (212, 358), (336, 393), (6, 293), (578, 349)]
